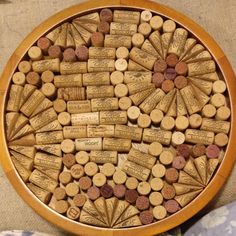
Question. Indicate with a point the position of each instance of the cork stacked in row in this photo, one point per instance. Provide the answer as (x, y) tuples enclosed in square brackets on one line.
[(117, 118)]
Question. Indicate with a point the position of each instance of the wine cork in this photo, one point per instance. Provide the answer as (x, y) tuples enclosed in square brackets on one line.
[(219, 86), (146, 217), (156, 22), (180, 82), (144, 121), (223, 113), (121, 64), (48, 161), (49, 90), (134, 170), (169, 26), (119, 177), (99, 65), (44, 43), (72, 189), (159, 212), (167, 123), (161, 136), (218, 100), (121, 90), (102, 157), (177, 138), (103, 78), (201, 67), (133, 113), (125, 103), (201, 96), (84, 33), (28, 140), (24, 67), (151, 101), (14, 98), (100, 91), (145, 16), (21, 169), (166, 158), (73, 213), (62, 81), (166, 101), (115, 144), (131, 183), (74, 107), (117, 77), (52, 173), (35, 53), (136, 77), (82, 157), (27, 151), (33, 78), (155, 149), (65, 177), (48, 64), (117, 41), (79, 200), (134, 66), (144, 29), (59, 105), (40, 193), (217, 126), (139, 87), (18, 78), (49, 137), (61, 206), (67, 68), (108, 169), (141, 158), (118, 28), (82, 53), (156, 41), (54, 149), (123, 131), (195, 121), (159, 170), (77, 171), (208, 111), (64, 118), (68, 160), (156, 184), (104, 27), (113, 117), (102, 53), (126, 16), (156, 116), (106, 15), (199, 136), (182, 123), (96, 131), (43, 181), (87, 144), (156, 198), (139, 97), (68, 146), (144, 188), (91, 118), (221, 139), (69, 55), (142, 58), (47, 76), (99, 179), (137, 40), (54, 52), (91, 168)]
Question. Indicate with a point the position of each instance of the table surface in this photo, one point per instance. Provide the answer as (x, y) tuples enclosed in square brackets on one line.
[(19, 17)]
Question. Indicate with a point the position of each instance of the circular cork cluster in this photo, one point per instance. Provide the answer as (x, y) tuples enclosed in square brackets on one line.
[(118, 118)]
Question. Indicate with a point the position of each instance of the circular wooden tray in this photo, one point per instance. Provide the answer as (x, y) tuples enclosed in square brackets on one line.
[(191, 209)]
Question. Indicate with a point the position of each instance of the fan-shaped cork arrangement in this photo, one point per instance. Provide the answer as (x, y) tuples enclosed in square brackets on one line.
[(117, 118)]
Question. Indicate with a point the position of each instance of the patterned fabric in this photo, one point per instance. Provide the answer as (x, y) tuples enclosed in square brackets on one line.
[(220, 222)]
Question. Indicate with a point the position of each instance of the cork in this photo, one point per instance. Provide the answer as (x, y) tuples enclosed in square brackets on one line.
[(43, 181), (219, 86), (92, 17), (180, 82), (104, 27), (181, 123), (155, 39), (201, 166), (168, 191), (156, 22), (216, 126), (144, 29), (167, 123), (52, 173), (117, 41), (79, 200), (91, 118), (115, 144), (145, 16), (61, 206), (133, 113), (166, 101), (72, 189), (106, 15), (141, 158), (136, 77), (195, 121), (82, 52), (59, 193), (14, 98), (73, 68), (49, 90), (156, 184), (156, 116), (23, 172), (181, 189), (144, 188), (54, 34), (40, 193), (166, 157), (11, 119), (195, 50), (48, 161), (33, 78), (118, 28), (85, 34), (74, 107), (54, 52), (208, 111), (77, 171), (102, 53), (126, 16), (211, 167), (78, 40), (89, 219), (161, 136), (125, 103), (108, 169), (52, 126), (99, 65), (169, 26), (139, 97), (24, 67), (68, 146), (184, 199), (69, 55), (35, 53), (113, 117), (62, 81), (155, 198), (100, 91), (96, 131), (202, 56), (144, 121), (54, 149), (131, 183), (48, 64), (121, 64), (177, 138), (189, 44), (181, 108), (65, 177), (143, 58), (102, 157), (166, 39), (18, 78), (139, 87), (44, 43), (199, 136), (137, 40), (133, 133), (218, 100), (199, 68), (119, 177), (73, 213), (49, 137), (149, 48), (223, 113), (82, 157), (64, 118), (159, 212), (24, 150), (134, 66), (27, 129), (202, 97), (117, 77), (87, 144), (61, 39), (26, 93), (99, 179), (47, 76), (73, 132)]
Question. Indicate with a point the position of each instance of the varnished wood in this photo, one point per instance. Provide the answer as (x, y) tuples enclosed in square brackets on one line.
[(198, 203)]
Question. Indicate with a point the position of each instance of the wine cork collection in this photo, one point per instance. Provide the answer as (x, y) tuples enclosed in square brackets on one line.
[(117, 118)]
